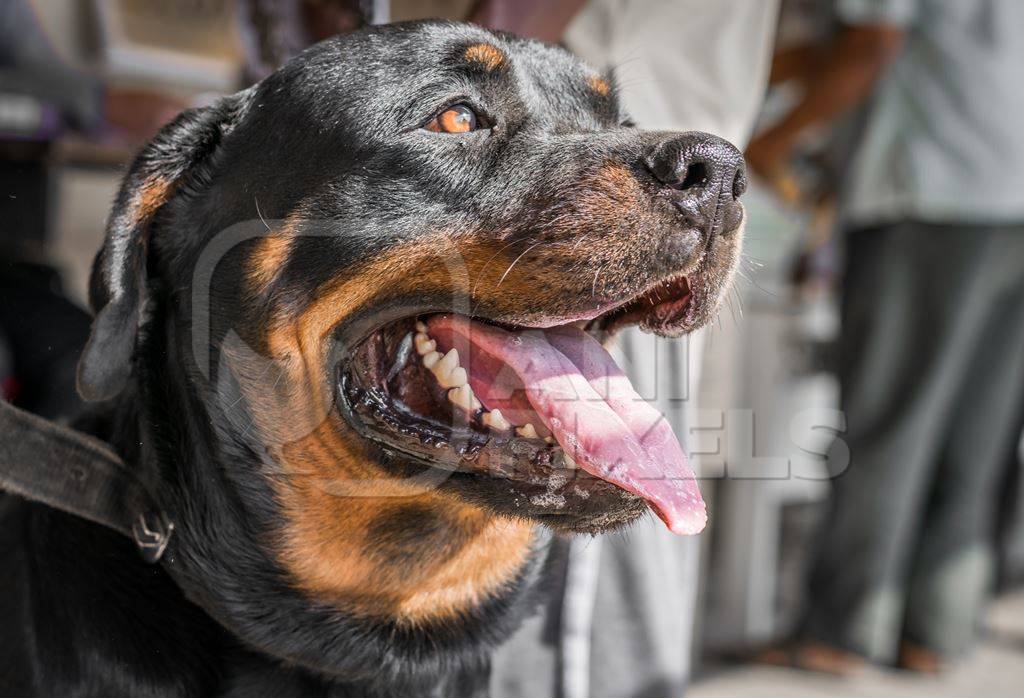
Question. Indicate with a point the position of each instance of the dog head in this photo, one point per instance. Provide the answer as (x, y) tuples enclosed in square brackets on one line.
[(374, 287)]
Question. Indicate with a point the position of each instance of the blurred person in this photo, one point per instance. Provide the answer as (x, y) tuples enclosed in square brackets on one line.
[(932, 342), (41, 332), (624, 624)]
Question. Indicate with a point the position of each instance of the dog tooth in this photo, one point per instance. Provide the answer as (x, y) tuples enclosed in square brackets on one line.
[(462, 396), (569, 461), (447, 363), (431, 359), (446, 371), (474, 404), (496, 420), (455, 379), (424, 344), (421, 326), (527, 431), (549, 439)]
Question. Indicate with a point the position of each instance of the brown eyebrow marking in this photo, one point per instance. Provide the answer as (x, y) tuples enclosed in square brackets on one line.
[(270, 254), (598, 85), (490, 57)]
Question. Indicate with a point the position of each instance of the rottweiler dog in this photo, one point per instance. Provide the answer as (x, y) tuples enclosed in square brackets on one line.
[(349, 322)]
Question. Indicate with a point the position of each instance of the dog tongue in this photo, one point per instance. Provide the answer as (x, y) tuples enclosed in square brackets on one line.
[(591, 408)]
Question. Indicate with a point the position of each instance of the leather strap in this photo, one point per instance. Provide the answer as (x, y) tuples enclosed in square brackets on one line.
[(78, 474)]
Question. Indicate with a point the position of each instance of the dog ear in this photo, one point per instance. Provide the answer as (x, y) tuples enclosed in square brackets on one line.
[(118, 285)]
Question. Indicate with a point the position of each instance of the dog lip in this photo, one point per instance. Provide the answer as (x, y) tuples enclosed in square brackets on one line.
[(666, 307), (601, 310), (593, 317), (362, 328)]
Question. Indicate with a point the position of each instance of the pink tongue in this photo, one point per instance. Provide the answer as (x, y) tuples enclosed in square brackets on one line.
[(593, 411)]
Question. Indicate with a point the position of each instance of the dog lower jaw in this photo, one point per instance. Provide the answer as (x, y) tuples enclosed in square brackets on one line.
[(515, 477)]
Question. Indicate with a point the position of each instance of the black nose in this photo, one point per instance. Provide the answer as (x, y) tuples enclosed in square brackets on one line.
[(704, 176)]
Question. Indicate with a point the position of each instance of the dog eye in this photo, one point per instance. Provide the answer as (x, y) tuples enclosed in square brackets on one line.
[(457, 118)]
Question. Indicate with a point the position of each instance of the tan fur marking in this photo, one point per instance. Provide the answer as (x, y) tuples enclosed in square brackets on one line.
[(599, 85), (152, 194), (325, 549), (480, 569), (490, 57), (330, 491), (269, 256)]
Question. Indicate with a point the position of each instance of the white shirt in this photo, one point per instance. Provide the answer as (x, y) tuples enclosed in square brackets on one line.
[(943, 139), (683, 65)]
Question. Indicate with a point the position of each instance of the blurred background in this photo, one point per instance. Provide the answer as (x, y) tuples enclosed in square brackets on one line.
[(824, 568)]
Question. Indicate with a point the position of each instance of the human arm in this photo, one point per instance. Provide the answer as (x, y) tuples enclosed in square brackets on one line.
[(848, 70)]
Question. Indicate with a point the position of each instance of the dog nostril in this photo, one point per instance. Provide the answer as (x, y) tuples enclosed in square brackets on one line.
[(698, 170), (696, 176), (739, 183)]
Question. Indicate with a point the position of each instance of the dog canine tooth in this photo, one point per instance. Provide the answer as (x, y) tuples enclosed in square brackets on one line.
[(527, 431), (463, 397), (496, 420), (456, 378), (447, 363), (569, 461), (431, 359), (448, 372), (424, 344)]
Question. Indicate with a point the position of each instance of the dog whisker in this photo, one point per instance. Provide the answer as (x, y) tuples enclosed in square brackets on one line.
[(492, 258), (503, 276), (260, 213), (593, 285)]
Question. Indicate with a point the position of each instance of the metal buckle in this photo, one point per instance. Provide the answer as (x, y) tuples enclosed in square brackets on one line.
[(152, 541)]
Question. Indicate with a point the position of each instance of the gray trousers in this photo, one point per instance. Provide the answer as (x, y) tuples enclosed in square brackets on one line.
[(932, 380)]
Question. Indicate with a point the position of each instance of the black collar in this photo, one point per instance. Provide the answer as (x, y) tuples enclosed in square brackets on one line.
[(78, 474)]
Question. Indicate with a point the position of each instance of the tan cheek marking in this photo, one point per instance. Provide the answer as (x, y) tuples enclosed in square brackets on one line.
[(301, 343), (298, 345), (598, 85), (325, 547), (480, 569), (323, 541), (490, 57), (598, 234), (610, 199)]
